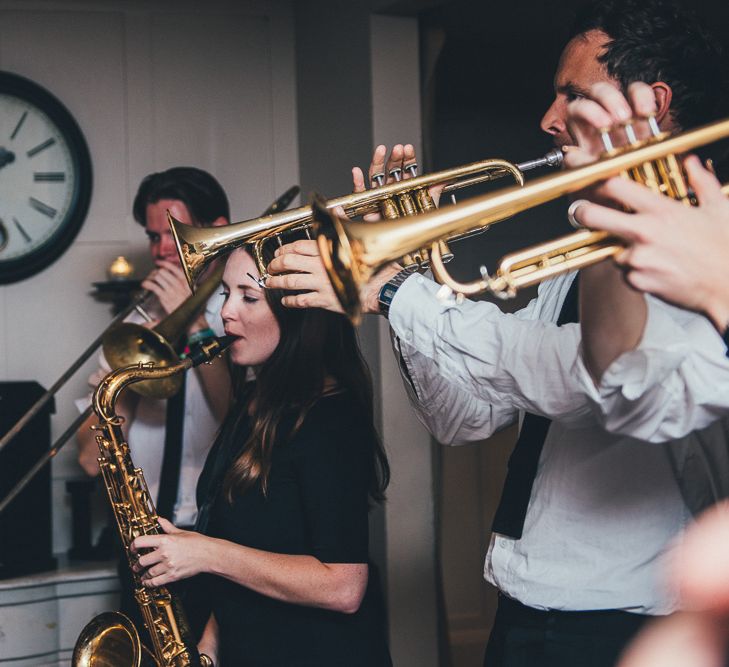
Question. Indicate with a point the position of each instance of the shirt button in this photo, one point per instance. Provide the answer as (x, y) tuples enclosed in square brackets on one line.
[(421, 280)]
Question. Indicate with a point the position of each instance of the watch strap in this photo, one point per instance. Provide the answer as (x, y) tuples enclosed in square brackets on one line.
[(389, 289)]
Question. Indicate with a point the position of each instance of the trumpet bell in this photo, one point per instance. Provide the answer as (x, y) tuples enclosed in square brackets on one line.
[(191, 243), (108, 640), (336, 253)]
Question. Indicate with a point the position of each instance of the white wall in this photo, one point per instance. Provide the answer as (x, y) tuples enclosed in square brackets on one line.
[(409, 511), (152, 85)]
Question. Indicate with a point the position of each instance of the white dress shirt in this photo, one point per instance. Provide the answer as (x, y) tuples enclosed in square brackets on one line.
[(604, 508), (145, 431), (663, 396)]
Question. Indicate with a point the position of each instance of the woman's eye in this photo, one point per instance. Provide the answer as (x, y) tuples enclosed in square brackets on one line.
[(250, 299), (225, 295)]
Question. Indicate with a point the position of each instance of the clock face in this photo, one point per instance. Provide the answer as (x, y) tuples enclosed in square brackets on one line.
[(45, 178)]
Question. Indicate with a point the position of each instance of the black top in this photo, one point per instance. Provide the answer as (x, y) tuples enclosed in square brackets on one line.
[(317, 504)]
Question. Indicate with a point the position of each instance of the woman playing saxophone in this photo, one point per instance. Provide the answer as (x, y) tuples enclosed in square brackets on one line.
[(282, 538)]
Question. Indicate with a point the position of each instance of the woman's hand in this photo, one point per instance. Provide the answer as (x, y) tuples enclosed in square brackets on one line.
[(176, 554)]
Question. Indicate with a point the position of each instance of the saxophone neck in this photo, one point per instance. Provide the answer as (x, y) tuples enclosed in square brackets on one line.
[(109, 389)]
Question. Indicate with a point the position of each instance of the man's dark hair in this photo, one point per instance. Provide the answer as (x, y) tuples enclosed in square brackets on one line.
[(203, 196), (661, 40)]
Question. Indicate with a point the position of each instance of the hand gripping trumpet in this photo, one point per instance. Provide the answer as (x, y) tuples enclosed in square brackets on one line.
[(352, 251), (197, 247), (111, 639)]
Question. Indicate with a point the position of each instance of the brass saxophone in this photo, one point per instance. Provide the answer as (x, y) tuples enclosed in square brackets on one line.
[(111, 639)]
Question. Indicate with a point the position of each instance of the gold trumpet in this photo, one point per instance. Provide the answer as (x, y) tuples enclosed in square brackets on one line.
[(352, 251), (197, 246)]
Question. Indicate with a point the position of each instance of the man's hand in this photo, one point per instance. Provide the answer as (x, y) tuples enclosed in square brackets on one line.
[(401, 157), (675, 252), (298, 266), (605, 108), (167, 281)]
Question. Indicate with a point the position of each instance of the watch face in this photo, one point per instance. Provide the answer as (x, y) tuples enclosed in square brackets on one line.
[(45, 178)]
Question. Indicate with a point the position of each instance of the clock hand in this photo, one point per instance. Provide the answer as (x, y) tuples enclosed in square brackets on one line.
[(6, 157)]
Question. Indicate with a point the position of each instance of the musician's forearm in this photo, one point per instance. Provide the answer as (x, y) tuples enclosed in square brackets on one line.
[(612, 316), (298, 579)]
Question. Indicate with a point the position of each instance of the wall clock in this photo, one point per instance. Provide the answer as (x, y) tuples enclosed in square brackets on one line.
[(45, 178)]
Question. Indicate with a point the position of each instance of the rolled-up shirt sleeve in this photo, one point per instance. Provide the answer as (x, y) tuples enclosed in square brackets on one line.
[(470, 368), (676, 380)]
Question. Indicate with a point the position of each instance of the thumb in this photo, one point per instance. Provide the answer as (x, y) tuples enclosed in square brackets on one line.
[(167, 526)]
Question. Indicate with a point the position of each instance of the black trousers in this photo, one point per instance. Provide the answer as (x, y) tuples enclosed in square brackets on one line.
[(526, 637)]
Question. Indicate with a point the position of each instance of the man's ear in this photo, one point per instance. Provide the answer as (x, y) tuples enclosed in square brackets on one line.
[(219, 222), (664, 96)]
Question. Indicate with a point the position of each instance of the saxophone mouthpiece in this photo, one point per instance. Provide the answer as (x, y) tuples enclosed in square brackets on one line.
[(205, 351), (224, 342)]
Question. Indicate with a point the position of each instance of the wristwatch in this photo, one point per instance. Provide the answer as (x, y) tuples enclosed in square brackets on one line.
[(388, 290)]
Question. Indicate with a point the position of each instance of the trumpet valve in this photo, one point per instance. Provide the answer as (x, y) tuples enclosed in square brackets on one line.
[(389, 209), (424, 200), (411, 262), (407, 204)]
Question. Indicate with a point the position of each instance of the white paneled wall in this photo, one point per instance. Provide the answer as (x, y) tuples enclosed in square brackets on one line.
[(409, 511), (152, 85)]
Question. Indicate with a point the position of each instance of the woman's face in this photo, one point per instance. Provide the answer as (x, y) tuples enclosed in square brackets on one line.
[(246, 313)]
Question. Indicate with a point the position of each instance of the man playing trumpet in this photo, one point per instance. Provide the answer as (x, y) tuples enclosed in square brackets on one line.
[(586, 516)]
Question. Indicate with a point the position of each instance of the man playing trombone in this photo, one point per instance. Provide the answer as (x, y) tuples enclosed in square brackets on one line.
[(586, 516), (170, 439)]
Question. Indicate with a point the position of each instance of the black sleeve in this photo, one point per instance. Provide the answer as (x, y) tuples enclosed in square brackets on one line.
[(334, 472), (726, 340)]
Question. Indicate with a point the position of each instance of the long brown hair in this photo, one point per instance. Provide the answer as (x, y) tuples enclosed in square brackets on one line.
[(315, 345)]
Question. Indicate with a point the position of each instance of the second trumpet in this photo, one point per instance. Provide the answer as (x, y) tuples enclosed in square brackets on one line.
[(197, 246)]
